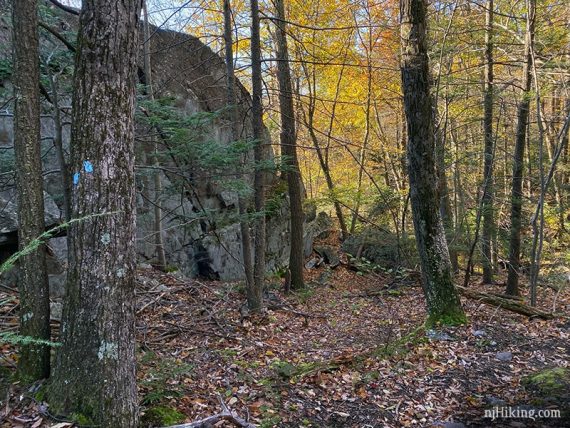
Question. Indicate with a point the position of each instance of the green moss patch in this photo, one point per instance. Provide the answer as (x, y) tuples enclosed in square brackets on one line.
[(553, 382), (161, 416), (551, 388), (449, 318), (81, 420)]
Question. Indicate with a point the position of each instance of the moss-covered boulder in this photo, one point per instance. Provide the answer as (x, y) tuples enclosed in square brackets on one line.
[(550, 387)]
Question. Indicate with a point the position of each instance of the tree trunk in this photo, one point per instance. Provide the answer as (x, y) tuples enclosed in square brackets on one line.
[(34, 362), (550, 136), (328, 177), (230, 84), (565, 175), (518, 161), (58, 145), (442, 299), (255, 294), (95, 367), (323, 157), (289, 149), (362, 154), (443, 188), (488, 179), (157, 181), (538, 221)]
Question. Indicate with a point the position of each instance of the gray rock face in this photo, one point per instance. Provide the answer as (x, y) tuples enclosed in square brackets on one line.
[(316, 226), (329, 254), (9, 215), (196, 242)]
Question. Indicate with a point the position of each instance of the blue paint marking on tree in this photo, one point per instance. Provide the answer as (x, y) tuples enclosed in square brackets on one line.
[(87, 166), (76, 178)]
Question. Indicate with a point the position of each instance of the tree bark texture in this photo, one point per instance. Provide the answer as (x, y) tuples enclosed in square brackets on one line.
[(288, 138), (518, 161), (34, 362), (254, 294), (488, 179), (442, 299), (95, 368)]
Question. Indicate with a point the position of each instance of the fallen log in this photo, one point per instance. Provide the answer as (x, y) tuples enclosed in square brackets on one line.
[(506, 302), (225, 415)]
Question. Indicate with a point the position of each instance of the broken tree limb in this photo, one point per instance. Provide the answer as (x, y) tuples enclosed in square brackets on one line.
[(505, 303), (226, 415)]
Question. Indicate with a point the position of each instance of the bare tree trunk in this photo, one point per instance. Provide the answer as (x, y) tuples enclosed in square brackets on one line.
[(328, 178), (323, 157), (289, 149), (488, 179), (362, 155), (242, 204), (157, 181), (442, 299), (58, 144), (529, 163), (402, 146), (364, 148), (446, 213), (34, 362), (443, 187), (440, 141), (550, 136), (518, 161), (95, 368), (538, 217), (254, 295), (565, 176)]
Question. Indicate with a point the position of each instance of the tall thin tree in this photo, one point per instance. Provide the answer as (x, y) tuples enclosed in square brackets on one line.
[(488, 180), (367, 46), (156, 178), (442, 300), (443, 186), (518, 159), (289, 148), (34, 362), (247, 257), (95, 368), (255, 293)]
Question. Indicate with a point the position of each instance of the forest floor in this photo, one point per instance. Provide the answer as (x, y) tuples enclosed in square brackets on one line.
[(349, 351)]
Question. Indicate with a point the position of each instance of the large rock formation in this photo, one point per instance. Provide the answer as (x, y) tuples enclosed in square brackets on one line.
[(199, 211)]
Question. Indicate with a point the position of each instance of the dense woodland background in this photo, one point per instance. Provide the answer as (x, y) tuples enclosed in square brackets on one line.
[(315, 213)]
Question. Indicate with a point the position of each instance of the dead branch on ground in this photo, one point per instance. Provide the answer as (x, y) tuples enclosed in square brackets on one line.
[(225, 415), (505, 303)]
